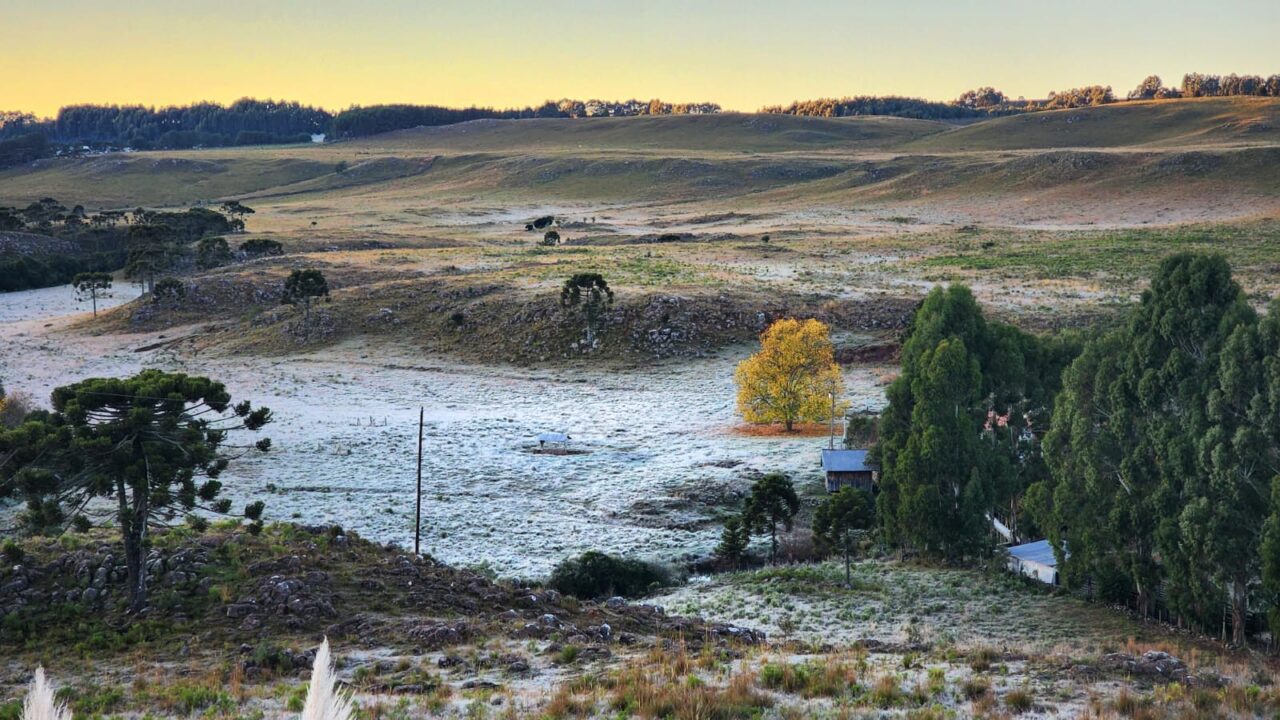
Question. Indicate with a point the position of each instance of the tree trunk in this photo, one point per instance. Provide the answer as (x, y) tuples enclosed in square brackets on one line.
[(773, 543), (131, 533), (790, 424), (848, 582), (1239, 613), (137, 569)]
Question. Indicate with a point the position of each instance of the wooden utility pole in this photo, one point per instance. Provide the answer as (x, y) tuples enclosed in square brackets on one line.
[(417, 524), (831, 430)]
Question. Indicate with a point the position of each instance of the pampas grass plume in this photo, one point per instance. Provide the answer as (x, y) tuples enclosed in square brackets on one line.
[(40, 703), (324, 701)]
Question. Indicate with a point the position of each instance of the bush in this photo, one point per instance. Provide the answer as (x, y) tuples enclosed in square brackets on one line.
[(11, 551), (261, 247), (595, 574)]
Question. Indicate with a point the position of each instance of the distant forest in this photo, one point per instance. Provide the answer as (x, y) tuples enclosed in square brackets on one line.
[(988, 101), (24, 137)]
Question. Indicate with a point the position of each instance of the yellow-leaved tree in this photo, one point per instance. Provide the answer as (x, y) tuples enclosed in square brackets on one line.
[(794, 378)]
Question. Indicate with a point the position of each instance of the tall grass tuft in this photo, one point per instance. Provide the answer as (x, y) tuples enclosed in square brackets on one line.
[(324, 701), (40, 704)]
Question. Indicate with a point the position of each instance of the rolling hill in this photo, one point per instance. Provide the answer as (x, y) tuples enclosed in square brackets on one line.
[(1133, 163)]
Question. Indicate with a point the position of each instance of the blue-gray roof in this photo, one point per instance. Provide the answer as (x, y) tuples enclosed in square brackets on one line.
[(1038, 552), (845, 461)]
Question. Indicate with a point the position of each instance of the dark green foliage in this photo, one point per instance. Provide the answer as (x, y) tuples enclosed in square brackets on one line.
[(302, 287), (168, 292), (92, 286), (192, 224), (872, 105), (839, 519), (261, 247), (733, 541), (143, 443), (23, 149), (595, 575), (238, 210), (957, 441), (152, 243), (1079, 97), (772, 502), (1270, 559), (589, 292), (982, 98), (362, 121), (1163, 446), (28, 271), (207, 124), (152, 250), (212, 252), (11, 552)]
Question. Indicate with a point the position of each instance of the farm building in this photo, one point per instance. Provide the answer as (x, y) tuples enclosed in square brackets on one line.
[(847, 467), (1035, 560)]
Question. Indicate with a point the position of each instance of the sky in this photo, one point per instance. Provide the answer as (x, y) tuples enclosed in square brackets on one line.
[(742, 54)]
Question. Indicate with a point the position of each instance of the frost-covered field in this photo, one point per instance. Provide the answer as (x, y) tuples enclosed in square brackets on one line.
[(659, 456)]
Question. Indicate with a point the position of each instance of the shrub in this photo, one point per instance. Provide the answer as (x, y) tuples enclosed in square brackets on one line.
[(975, 687), (12, 551), (595, 574), (886, 692), (259, 247), (1019, 701)]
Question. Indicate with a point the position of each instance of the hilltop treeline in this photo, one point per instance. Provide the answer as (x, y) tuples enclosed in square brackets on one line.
[(264, 122), (244, 122), (988, 101), (871, 105), (364, 121)]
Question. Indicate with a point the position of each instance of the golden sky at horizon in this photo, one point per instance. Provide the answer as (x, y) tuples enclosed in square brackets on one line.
[(742, 54)]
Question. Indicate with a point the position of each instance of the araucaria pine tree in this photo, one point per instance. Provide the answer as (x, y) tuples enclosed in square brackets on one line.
[(153, 444), (772, 502)]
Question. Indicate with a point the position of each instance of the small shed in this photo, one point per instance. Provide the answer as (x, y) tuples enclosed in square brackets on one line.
[(847, 468), (553, 438), (1035, 560)]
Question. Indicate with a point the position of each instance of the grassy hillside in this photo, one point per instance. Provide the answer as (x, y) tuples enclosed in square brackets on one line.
[(1127, 164), (1159, 123), (159, 179), (730, 132)]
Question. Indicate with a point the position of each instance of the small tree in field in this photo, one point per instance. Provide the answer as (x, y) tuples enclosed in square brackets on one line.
[(302, 287), (168, 294), (840, 517), (237, 211), (773, 502), (142, 442), (91, 286), (212, 252), (794, 378), (733, 540), (589, 292)]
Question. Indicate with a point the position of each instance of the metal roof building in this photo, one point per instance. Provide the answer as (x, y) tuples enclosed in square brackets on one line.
[(847, 467), (1035, 560)]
